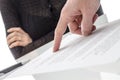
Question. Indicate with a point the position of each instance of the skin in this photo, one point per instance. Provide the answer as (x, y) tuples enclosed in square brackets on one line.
[(79, 15), (18, 37)]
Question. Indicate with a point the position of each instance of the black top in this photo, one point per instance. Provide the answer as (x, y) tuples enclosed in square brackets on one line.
[(36, 17)]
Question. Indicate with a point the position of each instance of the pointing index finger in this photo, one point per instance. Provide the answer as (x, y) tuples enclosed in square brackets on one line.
[(59, 31)]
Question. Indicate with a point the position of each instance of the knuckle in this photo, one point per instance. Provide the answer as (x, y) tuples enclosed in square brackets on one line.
[(15, 38), (18, 28), (15, 33), (17, 43), (63, 13), (63, 10), (26, 34)]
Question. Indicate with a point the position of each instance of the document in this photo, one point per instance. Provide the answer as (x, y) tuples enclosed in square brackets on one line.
[(78, 52)]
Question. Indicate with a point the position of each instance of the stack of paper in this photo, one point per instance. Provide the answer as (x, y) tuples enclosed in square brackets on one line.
[(78, 52)]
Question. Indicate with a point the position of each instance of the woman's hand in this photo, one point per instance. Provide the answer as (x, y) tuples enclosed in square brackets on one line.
[(18, 37)]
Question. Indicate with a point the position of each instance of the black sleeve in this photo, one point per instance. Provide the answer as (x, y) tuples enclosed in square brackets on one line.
[(9, 14), (11, 19), (36, 44)]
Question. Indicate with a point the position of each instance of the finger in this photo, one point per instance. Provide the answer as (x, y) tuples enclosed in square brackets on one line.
[(13, 34), (15, 44), (13, 39), (74, 28), (59, 31), (15, 29), (87, 24)]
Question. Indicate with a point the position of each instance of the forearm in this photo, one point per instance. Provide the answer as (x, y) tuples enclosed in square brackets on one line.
[(20, 51), (40, 42)]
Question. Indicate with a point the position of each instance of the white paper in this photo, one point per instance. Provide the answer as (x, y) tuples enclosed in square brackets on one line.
[(77, 52)]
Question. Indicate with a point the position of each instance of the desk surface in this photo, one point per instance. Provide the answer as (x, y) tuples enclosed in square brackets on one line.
[(27, 69), (43, 63)]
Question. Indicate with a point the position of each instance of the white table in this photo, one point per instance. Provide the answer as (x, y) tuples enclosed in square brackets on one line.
[(76, 74)]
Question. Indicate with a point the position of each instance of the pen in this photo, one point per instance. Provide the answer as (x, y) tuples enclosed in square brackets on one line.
[(15, 66)]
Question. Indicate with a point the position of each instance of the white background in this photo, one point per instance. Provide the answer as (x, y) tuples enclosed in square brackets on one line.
[(110, 7)]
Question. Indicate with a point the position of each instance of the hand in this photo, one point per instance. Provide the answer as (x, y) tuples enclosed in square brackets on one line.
[(79, 15), (18, 37)]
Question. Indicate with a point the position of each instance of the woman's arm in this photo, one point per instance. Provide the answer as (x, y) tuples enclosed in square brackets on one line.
[(11, 19), (38, 43), (19, 37)]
